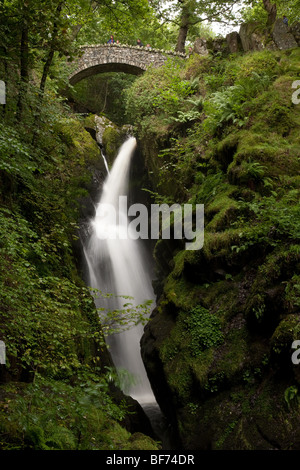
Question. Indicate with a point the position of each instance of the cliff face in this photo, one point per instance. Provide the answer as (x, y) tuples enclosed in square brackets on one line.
[(253, 37), (218, 348)]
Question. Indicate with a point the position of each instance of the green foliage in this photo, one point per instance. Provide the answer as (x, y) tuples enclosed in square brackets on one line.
[(121, 319), (104, 93), (274, 221), (292, 291), (204, 329), (256, 12), (165, 97), (291, 396), (231, 104), (52, 415), (30, 301)]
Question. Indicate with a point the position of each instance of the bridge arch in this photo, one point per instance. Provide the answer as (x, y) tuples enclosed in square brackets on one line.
[(117, 58)]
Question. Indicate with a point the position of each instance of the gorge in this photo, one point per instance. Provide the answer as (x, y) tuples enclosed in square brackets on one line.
[(211, 363)]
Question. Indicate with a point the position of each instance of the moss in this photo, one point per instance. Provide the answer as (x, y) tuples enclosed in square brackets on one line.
[(180, 292), (89, 121), (286, 332), (220, 243), (201, 368), (112, 140), (233, 357), (139, 441), (222, 212), (225, 149)]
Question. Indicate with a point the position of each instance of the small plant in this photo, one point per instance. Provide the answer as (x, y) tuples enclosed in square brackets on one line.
[(291, 396), (204, 329)]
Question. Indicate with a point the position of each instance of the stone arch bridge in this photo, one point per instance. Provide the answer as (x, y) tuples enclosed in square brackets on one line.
[(117, 58)]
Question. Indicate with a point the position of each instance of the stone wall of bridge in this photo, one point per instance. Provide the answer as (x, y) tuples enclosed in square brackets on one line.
[(117, 58)]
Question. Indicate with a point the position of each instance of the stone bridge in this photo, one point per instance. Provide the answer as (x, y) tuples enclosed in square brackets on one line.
[(117, 58)]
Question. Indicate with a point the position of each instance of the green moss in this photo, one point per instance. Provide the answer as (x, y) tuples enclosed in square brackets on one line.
[(112, 139), (286, 332), (201, 368), (234, 356), (139, 441), (223, 211), (180, 292), (220, 243)]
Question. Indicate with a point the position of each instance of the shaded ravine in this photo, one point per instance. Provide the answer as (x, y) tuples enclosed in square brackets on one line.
[(116, 266)]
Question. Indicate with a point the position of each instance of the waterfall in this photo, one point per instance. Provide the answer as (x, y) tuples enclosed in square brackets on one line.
[(105, 162), (116, 265)]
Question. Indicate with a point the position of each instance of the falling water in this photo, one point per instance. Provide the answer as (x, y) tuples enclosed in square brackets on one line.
[(105, 161), (116, 265)]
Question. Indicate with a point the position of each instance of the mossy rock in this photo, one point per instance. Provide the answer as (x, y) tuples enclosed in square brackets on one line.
[(286, 332), (139, 441), (112, 139)]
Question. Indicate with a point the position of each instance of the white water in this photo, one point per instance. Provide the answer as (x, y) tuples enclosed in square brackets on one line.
[(105, 162), (117, 266)]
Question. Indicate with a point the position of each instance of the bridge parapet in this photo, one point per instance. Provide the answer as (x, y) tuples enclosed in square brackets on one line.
[(101, 58)]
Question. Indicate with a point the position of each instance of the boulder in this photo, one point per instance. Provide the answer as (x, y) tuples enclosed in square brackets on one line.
[(234, 42), (294, 29), (282, 36), (200, 46), (252, 38), (218, 45)]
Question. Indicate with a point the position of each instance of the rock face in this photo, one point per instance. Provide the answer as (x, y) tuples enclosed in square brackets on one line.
[(252, 37), (239, 393), (282, 36), (294, 29), (218, 45), (234, 42), (200, 46)]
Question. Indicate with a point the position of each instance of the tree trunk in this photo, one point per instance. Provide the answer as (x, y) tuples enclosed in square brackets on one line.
[(271, 9), (183, 30), (51, 51)]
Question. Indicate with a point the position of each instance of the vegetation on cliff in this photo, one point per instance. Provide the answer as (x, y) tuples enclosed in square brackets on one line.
[(224, 132)]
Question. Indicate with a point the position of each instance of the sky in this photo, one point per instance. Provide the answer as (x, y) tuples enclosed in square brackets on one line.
[(222, 29)]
